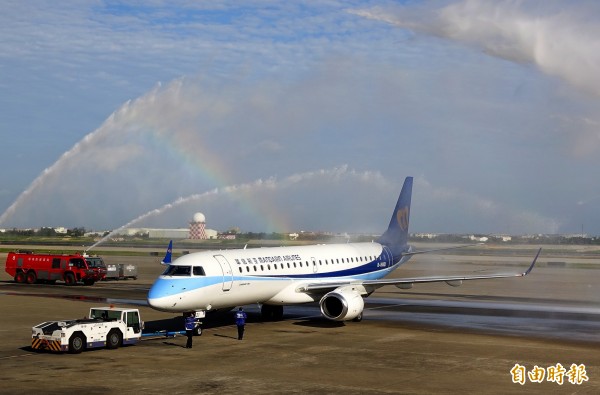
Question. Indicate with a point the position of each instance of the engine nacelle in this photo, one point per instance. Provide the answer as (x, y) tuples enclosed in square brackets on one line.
[(342, 304)]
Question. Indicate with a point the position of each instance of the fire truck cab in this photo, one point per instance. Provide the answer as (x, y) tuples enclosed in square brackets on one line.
[(30, 268)]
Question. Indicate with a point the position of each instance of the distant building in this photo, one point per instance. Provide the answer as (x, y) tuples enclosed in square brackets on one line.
[(426, 235), (478, 238), (196, 231), (168, 233), (153, 233), (198, 227), (226, 236)]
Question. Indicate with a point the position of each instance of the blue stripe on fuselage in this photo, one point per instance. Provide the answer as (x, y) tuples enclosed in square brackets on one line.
[(372, 270)]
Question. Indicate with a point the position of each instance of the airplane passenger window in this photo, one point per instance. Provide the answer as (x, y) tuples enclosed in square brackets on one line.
[(268, 267), (294, 264), (240, 269), (199, 271), (247, 268), (261, 267)]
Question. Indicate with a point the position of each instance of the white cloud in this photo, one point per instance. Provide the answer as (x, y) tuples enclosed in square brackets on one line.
[(561, 41)]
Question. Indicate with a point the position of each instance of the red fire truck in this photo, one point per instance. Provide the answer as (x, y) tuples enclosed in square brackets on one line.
[(27, 267)]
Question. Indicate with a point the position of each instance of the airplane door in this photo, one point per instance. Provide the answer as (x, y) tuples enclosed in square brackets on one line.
[(227, 273), (315, 267)]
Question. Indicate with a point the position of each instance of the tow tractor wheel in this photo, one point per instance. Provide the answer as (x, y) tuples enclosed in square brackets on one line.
[(31, 277), (114, 339), (197, 331), (77, 343), (20, 277)]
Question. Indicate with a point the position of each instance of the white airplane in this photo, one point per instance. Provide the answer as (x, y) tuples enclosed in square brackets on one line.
[(338, 276)]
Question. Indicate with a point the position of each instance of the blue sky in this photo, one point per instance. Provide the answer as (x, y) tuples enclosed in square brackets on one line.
[(275, 116)]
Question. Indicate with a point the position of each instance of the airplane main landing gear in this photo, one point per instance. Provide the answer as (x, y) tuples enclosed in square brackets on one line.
[(358, 318), (271, 312)]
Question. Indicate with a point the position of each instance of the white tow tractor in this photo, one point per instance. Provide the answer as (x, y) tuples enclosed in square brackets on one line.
[(108, 327)]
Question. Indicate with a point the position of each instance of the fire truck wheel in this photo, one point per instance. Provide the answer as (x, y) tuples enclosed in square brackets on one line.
[(69, 279), (76, 343), (114, 339), (20, 277), (31, 277)]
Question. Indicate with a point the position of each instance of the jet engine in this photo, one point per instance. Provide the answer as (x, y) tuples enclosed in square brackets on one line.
[(342, 304)]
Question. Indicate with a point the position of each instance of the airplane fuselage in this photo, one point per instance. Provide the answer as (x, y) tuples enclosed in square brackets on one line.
[(223, 279)]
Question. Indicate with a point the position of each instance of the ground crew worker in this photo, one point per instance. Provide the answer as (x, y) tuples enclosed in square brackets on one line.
[(240, 321), (190, 325)]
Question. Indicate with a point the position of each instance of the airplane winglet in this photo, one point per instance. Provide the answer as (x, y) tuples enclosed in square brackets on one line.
[(167, 259), (532, 263)]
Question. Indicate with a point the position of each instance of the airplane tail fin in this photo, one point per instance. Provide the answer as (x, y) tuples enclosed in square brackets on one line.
[(167, 259), (396, 235)]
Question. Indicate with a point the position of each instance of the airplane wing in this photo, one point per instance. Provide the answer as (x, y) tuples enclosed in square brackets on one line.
[(439, 249), (451, 280)]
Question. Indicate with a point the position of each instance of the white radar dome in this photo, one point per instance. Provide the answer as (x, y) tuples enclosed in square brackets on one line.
[(199, 217)]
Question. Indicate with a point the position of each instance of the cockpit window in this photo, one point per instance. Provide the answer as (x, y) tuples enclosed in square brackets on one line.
[(95, 262), (199, 271), (176, 270)]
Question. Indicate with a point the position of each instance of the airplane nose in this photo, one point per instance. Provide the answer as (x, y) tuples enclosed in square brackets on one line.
[(158, 303), (158, 296)]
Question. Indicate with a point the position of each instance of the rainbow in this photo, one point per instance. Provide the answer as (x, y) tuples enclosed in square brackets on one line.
[(201, 162)]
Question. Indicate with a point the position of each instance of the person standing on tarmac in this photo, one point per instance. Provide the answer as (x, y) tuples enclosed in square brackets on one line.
[(190, 325), (240, 321)]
